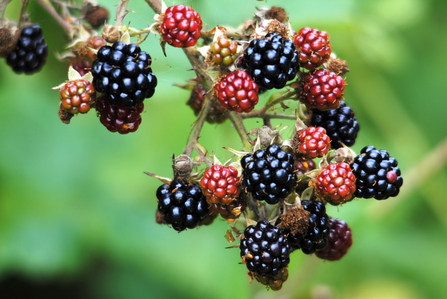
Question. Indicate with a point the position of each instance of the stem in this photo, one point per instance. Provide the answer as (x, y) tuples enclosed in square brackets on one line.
[(48, 7), (68, 5), (22, 12), (155, 5), (268, 115), (238, 124), (3, 5), (121, 12)]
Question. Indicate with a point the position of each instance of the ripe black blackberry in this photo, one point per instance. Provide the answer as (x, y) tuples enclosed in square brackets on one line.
[(30, 53), (271, 61), (315, 236), (123, 73), (340, 124), (182, 204), (269, 174), (264, 249), (377, 174)]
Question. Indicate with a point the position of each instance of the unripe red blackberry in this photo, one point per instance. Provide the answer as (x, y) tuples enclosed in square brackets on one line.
[(377, 174), (304, 165), (264, 249), (182, 204), (271, 61), (181, 26), (307, 226), (339, 241), (220, 184), (340, 124), (80, 65), (237, 92), (336, 184), (123, 73), (268, 174), (272, 282), (323, 89), (198, 93), (313, 142), (77, 96), (314, 47), (230, 211), (30, 53), (119, 118), (223, 51)]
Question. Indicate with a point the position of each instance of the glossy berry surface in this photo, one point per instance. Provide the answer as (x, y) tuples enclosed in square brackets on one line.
[(77, 96), (268, 174), (273, 282), (264, 249), (314, 142), (198, 94), (339, 241), (224, 51), (316, 236), (182, 204), (119, 118), (336, 184), (341, 124), (378, 175), (122, 72), (220, 184), (181, 26), (323, 89), (237, 92), (271, 61), (314, 47), (30, 53)]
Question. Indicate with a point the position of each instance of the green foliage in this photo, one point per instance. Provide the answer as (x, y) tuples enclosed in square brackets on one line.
[(73, 197)]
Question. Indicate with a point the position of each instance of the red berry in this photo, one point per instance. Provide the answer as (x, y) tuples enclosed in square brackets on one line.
[(339, 241), (181, 26), (237, 92), (314, 47), (77, 96), (220, 184), (323, 89), (119, 118), (314, 142), (336, 184)]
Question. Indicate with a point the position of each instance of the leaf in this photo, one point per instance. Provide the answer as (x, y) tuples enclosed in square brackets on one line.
[(307, 194), (237, 153), (73, 74), (215, 160), (162, 179), (229, 236), (125, 37), (204, 50)]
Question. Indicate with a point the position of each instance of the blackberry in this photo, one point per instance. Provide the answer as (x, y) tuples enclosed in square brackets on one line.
[(271, 61), (315, 234), (119, 119), (340, 124), (30, 53), (269, 174), (377, 174), (182, 204), (340, 240), (123, 73), (264, 249)]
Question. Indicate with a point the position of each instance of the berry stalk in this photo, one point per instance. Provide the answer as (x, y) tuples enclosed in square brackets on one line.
[(3, 5), (22, 12), (51, 10), (121, 12)]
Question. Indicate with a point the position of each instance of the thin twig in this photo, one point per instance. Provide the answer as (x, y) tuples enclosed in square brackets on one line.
[(22, 12), (155, 5), (121, 12), (269, 116), (48, 7), (3, 5)]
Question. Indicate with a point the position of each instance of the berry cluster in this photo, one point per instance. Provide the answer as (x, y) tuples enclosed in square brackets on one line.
[(336, 184), (313, 142), (314, 47), (220, 184), (77, 96), (224, 51), (323, 89)]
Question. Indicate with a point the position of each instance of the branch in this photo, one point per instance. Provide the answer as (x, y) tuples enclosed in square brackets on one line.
[(3, 5), (22, 12), (155, 5), (48, 7)]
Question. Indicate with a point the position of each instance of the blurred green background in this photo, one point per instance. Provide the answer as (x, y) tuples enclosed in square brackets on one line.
[(77, 214)]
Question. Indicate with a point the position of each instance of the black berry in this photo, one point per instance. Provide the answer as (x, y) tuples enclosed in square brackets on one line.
[(340, 124), (122, 72), (377, 174), (269, 174), (30, 53)]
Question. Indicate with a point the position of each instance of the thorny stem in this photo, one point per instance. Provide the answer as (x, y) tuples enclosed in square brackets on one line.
[(3, 5), (121, 12), (48, 7), (155, 5), (22, 12)]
